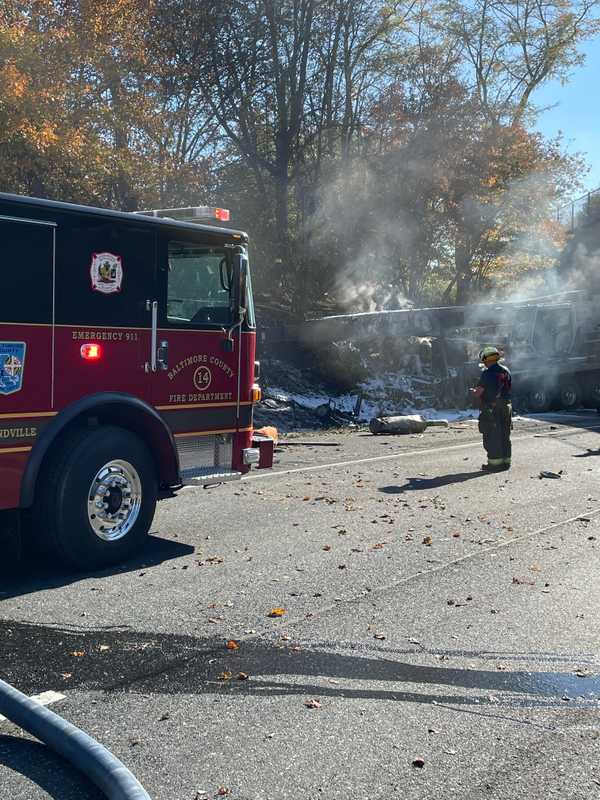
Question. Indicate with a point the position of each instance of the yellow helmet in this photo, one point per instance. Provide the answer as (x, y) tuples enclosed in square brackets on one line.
[(489, 352)]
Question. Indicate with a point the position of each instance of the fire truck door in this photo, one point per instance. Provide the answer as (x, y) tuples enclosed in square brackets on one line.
[(26, 327), (105, 279), (26, 345), (196, 371)]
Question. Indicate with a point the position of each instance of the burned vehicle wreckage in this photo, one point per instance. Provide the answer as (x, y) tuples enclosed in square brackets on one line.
[(552, 346)]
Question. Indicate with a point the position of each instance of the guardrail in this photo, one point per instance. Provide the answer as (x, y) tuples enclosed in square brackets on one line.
[(585, 210)]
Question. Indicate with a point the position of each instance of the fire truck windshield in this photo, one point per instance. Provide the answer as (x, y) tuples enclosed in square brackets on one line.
[(199, 285)]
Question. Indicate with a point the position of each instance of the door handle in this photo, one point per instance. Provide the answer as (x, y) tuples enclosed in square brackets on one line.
[(162, 355), (153, 353)]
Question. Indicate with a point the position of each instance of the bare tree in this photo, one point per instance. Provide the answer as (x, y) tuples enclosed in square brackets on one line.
[(513, 46)]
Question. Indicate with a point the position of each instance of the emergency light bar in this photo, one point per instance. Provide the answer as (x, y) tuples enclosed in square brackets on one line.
[(191, 214)]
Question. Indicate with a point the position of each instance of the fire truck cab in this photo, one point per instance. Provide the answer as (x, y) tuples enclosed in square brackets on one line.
[(127, 370)]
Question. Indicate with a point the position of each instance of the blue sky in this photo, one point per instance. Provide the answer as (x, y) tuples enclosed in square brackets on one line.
[(576, 112)]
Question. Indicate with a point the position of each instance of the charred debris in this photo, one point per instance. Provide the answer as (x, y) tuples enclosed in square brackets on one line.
[(344, 369)]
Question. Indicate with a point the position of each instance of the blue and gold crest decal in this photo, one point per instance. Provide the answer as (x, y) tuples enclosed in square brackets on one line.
[(12, 366)]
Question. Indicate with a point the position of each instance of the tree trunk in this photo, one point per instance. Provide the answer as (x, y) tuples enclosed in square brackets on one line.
[(462, 265)]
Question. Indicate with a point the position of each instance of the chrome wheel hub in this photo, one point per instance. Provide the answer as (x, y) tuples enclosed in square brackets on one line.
[(114, 500)]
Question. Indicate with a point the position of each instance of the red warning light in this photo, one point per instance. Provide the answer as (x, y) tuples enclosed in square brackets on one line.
[(91, 352), (222, 214)]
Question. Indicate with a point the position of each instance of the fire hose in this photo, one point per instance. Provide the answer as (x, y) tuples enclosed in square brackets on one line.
[(86, 754)]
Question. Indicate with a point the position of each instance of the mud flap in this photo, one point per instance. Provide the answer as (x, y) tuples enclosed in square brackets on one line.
[(266, 446)]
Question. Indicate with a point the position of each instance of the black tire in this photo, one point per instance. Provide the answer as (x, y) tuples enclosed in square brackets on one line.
[(539, 400), (63, 508), (569, 394)]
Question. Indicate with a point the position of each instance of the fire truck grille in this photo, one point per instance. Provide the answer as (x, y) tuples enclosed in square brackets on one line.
[(205, 454)]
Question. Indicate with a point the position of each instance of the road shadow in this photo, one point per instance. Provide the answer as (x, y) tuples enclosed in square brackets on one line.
[(47, 770), (121, 661), (34, 573), (425, 484)]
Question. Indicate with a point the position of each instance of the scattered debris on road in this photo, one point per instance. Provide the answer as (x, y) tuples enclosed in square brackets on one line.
[(523, 581), (405, 424)]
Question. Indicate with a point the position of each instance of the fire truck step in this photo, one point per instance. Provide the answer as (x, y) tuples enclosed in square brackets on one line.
[(204, 475)]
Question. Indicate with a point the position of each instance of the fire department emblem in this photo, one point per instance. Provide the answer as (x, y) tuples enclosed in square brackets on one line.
[(106, 272), (202, 378), (12, 366)]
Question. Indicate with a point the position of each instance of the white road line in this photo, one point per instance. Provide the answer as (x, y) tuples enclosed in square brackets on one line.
[(404, 454), (44, 699), (382, 589)]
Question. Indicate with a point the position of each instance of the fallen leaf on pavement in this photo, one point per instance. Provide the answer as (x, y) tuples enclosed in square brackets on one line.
[(224, 676), (427, 541), (312, 704), (232, 645), (276, 612)]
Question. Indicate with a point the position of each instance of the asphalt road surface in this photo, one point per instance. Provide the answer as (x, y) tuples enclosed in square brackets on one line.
[(439, 637)]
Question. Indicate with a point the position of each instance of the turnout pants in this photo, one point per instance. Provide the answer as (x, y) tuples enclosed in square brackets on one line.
[(495, 423)]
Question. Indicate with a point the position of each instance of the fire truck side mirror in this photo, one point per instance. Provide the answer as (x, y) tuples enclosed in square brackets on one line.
[(240, 283)]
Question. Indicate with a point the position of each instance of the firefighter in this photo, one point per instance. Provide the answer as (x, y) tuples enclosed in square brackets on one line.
[(495, 418)]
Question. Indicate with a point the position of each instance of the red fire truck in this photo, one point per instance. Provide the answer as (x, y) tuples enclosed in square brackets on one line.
[(127, 347)]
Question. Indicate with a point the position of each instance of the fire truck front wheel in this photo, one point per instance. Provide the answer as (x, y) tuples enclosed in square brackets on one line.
[(97, 497)]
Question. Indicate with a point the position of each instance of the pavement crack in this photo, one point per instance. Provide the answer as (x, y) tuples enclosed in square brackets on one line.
[(501, 717)]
